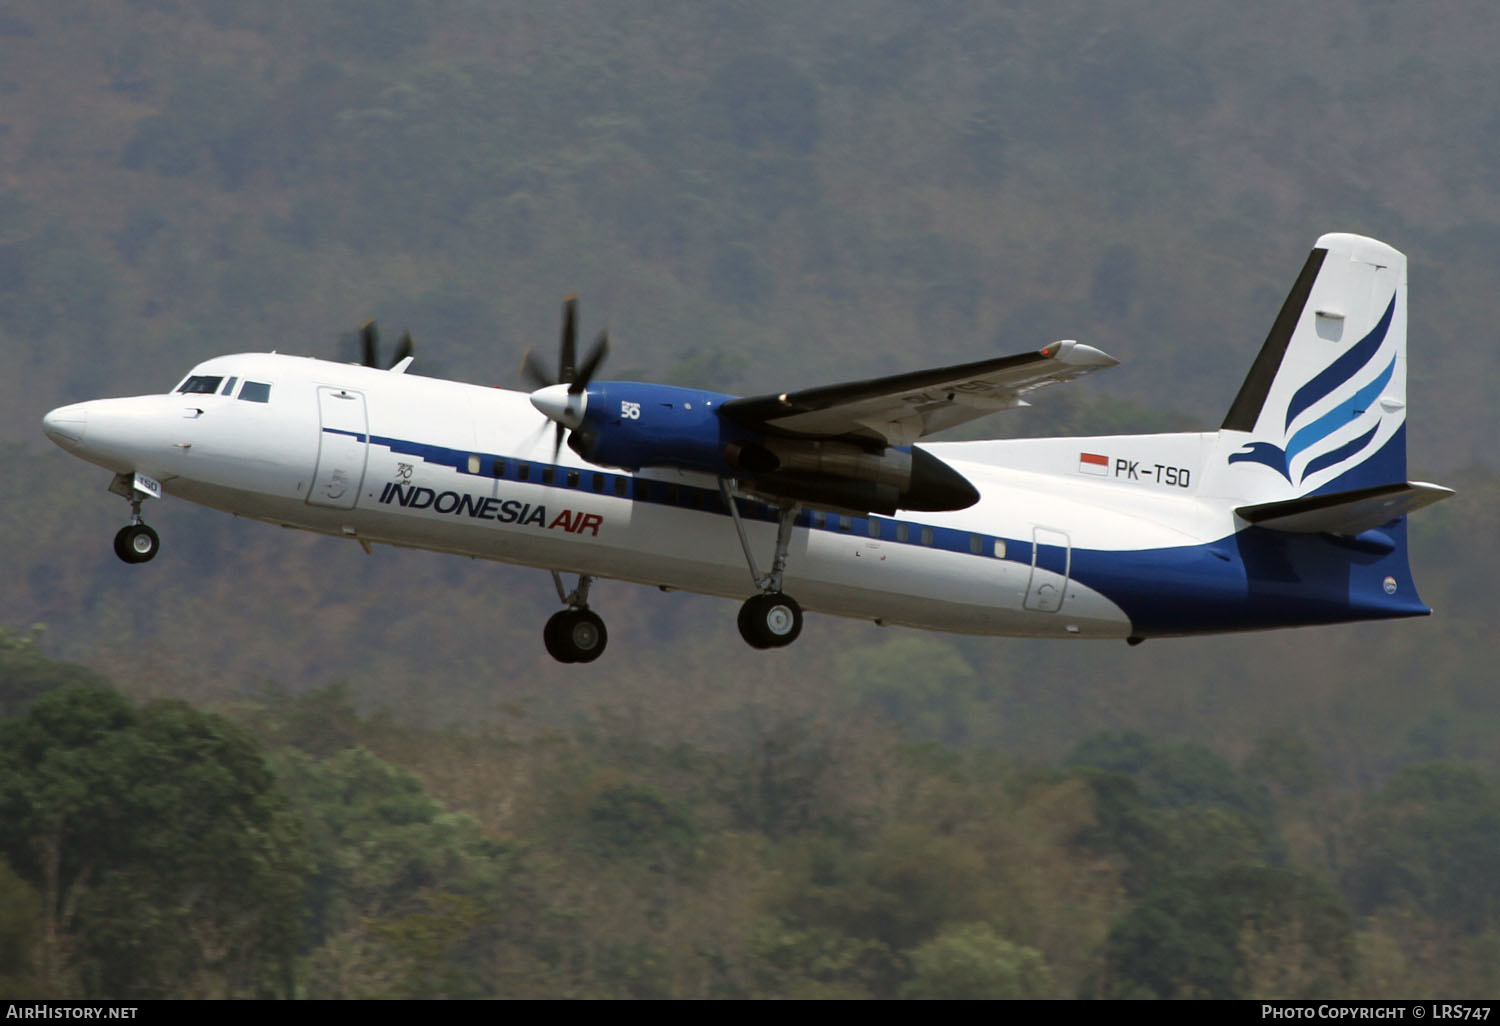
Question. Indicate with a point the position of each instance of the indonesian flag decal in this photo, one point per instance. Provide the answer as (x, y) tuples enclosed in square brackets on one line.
[(1093, 463)]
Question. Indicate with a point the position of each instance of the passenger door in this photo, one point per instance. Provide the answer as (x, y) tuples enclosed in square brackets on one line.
[(343, 443)]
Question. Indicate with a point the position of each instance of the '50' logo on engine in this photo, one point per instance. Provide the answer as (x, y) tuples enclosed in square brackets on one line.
[(630, 411)]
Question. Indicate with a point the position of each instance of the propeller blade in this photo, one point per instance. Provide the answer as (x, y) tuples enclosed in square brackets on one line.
[(590, 364), (557, 441), (536, 436), (568, 350), (406, 347), (532, 370), (369, 340)]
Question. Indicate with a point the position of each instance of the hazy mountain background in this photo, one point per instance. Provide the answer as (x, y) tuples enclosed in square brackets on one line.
[(753, 196)]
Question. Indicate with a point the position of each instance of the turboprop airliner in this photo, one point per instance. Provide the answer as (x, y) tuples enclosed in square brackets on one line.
[(1292, 513)]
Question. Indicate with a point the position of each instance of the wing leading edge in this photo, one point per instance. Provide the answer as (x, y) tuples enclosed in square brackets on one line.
[(902, 408)]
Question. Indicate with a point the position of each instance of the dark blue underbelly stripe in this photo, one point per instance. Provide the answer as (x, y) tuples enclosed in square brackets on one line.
[(1251, 580)]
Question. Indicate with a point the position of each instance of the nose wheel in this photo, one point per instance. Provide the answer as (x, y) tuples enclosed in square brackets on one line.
[(575, 634), (136, 543)]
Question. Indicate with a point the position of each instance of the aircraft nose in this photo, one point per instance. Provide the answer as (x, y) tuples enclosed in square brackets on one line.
[(66, 424)]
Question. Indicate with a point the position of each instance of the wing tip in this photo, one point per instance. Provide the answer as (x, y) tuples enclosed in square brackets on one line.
[(1076, 354)]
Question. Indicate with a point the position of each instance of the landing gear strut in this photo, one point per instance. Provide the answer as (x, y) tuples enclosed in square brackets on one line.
[(575, 634), (135, 542), (772, 618)]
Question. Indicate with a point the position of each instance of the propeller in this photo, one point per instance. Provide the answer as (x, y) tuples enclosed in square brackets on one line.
[(369, 341), (563, 397)]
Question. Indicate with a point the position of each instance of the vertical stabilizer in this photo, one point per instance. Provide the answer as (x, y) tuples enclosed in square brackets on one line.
[(1324, 406)]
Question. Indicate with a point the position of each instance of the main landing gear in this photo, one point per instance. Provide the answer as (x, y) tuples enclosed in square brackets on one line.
[(771, 619), (575, 634), (135, 542)]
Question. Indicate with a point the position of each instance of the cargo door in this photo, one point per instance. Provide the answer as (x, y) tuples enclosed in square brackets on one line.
[(1051, 560)]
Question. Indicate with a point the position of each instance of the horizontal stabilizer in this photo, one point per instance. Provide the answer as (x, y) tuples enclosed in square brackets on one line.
[(1348, 513)]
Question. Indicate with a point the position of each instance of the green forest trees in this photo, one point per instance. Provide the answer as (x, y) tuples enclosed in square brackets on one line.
[(158, 850), (396, 886), (165, 859)]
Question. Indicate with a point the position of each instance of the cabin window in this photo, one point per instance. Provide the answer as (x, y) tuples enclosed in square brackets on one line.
[(201, 384), (572, 479), (818, 517), (845, 524), (620, 486), (228, 388), (497, 469), (598, 482), (903, 532), (255, 392), (976, 544), (548, 473), (672, 497), (999, 548), (926, 536), (474, 463), (523, 471), (873, 527)]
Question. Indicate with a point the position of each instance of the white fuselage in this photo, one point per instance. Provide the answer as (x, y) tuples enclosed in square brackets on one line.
[(1292, 513), (404, 460)]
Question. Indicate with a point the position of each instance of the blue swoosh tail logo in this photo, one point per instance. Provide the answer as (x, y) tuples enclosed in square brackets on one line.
[(1344, 368), (1265, 453), (1328, 381)]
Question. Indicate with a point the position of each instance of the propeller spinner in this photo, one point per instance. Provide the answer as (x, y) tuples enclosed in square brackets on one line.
[(564, 398)]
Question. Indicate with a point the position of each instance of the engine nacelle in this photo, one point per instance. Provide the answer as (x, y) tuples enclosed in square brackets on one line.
[(846, 476), (630, 425)]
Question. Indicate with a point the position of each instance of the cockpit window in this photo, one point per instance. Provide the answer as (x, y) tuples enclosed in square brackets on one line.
[(201, 384), (256, 392), (229, 387)]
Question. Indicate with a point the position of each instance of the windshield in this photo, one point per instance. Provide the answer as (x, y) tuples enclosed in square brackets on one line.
[(201, 384)]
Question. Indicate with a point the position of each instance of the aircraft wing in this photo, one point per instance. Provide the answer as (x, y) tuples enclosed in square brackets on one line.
[(902, 408)]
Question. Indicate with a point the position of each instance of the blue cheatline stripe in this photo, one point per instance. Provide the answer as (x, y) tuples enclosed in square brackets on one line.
[(1342, 369), (1252, 579), (691, 497)]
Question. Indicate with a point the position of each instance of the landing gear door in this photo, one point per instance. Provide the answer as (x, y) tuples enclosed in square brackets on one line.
[(1051, 561), (342, 444)]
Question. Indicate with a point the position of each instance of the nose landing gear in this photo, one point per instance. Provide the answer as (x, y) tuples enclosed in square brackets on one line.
[(135, 542)]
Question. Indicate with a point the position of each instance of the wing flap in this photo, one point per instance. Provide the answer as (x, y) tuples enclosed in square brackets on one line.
[(1346, 513), (898, 410)]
